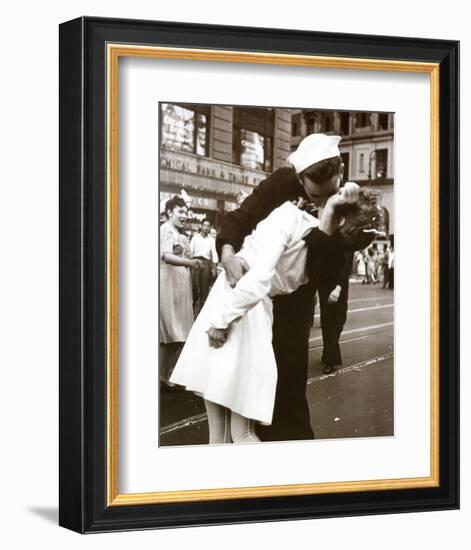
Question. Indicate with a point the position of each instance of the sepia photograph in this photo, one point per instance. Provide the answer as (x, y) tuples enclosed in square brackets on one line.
[(276, 309)]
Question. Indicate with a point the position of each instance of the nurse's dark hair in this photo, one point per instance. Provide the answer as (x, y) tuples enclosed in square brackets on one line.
[(323, 171), (172, 203), (365, 214)]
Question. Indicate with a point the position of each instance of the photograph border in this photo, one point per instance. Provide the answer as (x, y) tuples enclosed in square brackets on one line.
[(90, 49)]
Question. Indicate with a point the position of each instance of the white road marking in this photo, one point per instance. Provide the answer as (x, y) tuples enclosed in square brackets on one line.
[(355, 367), (365, 309), (185, 422), (345, 340), (375, 298), (355, 330), (198, 418), (369, 308)]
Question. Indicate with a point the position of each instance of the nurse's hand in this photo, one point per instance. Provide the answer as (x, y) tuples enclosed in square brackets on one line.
[(217, 336), (196, 264), (234, 266), (348, 194)]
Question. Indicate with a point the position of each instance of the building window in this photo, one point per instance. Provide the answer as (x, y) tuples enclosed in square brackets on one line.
[(381, 156), (295, 126), (185, 128), (252, 149), (252, 138), (383, 121), (310, 125), (362, 120), (344, 123), (346, 165), (328, 123), (361, 163)]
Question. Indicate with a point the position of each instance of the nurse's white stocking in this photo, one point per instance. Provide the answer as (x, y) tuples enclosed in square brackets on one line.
[(218, 423)]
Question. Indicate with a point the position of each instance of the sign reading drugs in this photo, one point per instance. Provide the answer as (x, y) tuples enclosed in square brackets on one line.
[(204, 203)]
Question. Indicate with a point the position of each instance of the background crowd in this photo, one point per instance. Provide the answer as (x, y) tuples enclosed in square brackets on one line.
[(375, 264)]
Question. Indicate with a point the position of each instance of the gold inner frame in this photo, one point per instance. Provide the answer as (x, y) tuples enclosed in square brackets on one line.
[(114, 53)]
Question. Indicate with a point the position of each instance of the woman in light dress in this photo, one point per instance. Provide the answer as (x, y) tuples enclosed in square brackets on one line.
[(371, 265), (176, 302), (228, 357)]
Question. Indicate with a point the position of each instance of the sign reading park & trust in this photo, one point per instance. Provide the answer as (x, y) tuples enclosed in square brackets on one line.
[(196, 171)]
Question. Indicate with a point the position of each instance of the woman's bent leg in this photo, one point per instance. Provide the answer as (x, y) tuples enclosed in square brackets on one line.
[(243, 429), (218, 423)]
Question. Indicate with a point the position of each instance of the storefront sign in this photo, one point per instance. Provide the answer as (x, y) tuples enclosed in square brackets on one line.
[(203, 203), (209, 168)]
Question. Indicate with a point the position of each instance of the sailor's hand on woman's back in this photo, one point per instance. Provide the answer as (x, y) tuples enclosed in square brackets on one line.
[(234, 266)]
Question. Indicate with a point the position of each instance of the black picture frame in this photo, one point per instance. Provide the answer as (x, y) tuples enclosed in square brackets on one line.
[(83, 293)]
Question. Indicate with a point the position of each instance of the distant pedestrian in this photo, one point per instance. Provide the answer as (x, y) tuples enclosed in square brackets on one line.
[(333, 298), (213, 234), (385, 265), (203, 248), (370, 266), (359, 265), (391, 269)]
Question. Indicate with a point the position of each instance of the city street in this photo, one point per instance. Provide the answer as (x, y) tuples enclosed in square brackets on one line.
[(355, 401)]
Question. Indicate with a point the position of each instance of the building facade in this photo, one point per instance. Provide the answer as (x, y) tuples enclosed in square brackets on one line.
[(217, 154), (367, 148)]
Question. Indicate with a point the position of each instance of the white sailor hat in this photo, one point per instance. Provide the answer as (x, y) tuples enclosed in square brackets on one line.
[(313, 149)]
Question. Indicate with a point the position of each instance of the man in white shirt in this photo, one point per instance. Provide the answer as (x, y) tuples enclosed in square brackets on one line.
[(203, 248)]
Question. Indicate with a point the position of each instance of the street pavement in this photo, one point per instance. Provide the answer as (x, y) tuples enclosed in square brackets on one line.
[(355, 401)]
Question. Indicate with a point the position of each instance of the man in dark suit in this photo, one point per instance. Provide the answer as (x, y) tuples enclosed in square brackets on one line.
[(314, 174), (333, 303), (329, 268)]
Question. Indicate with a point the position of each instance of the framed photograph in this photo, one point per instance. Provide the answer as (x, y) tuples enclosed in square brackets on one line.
[(258, 274)]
